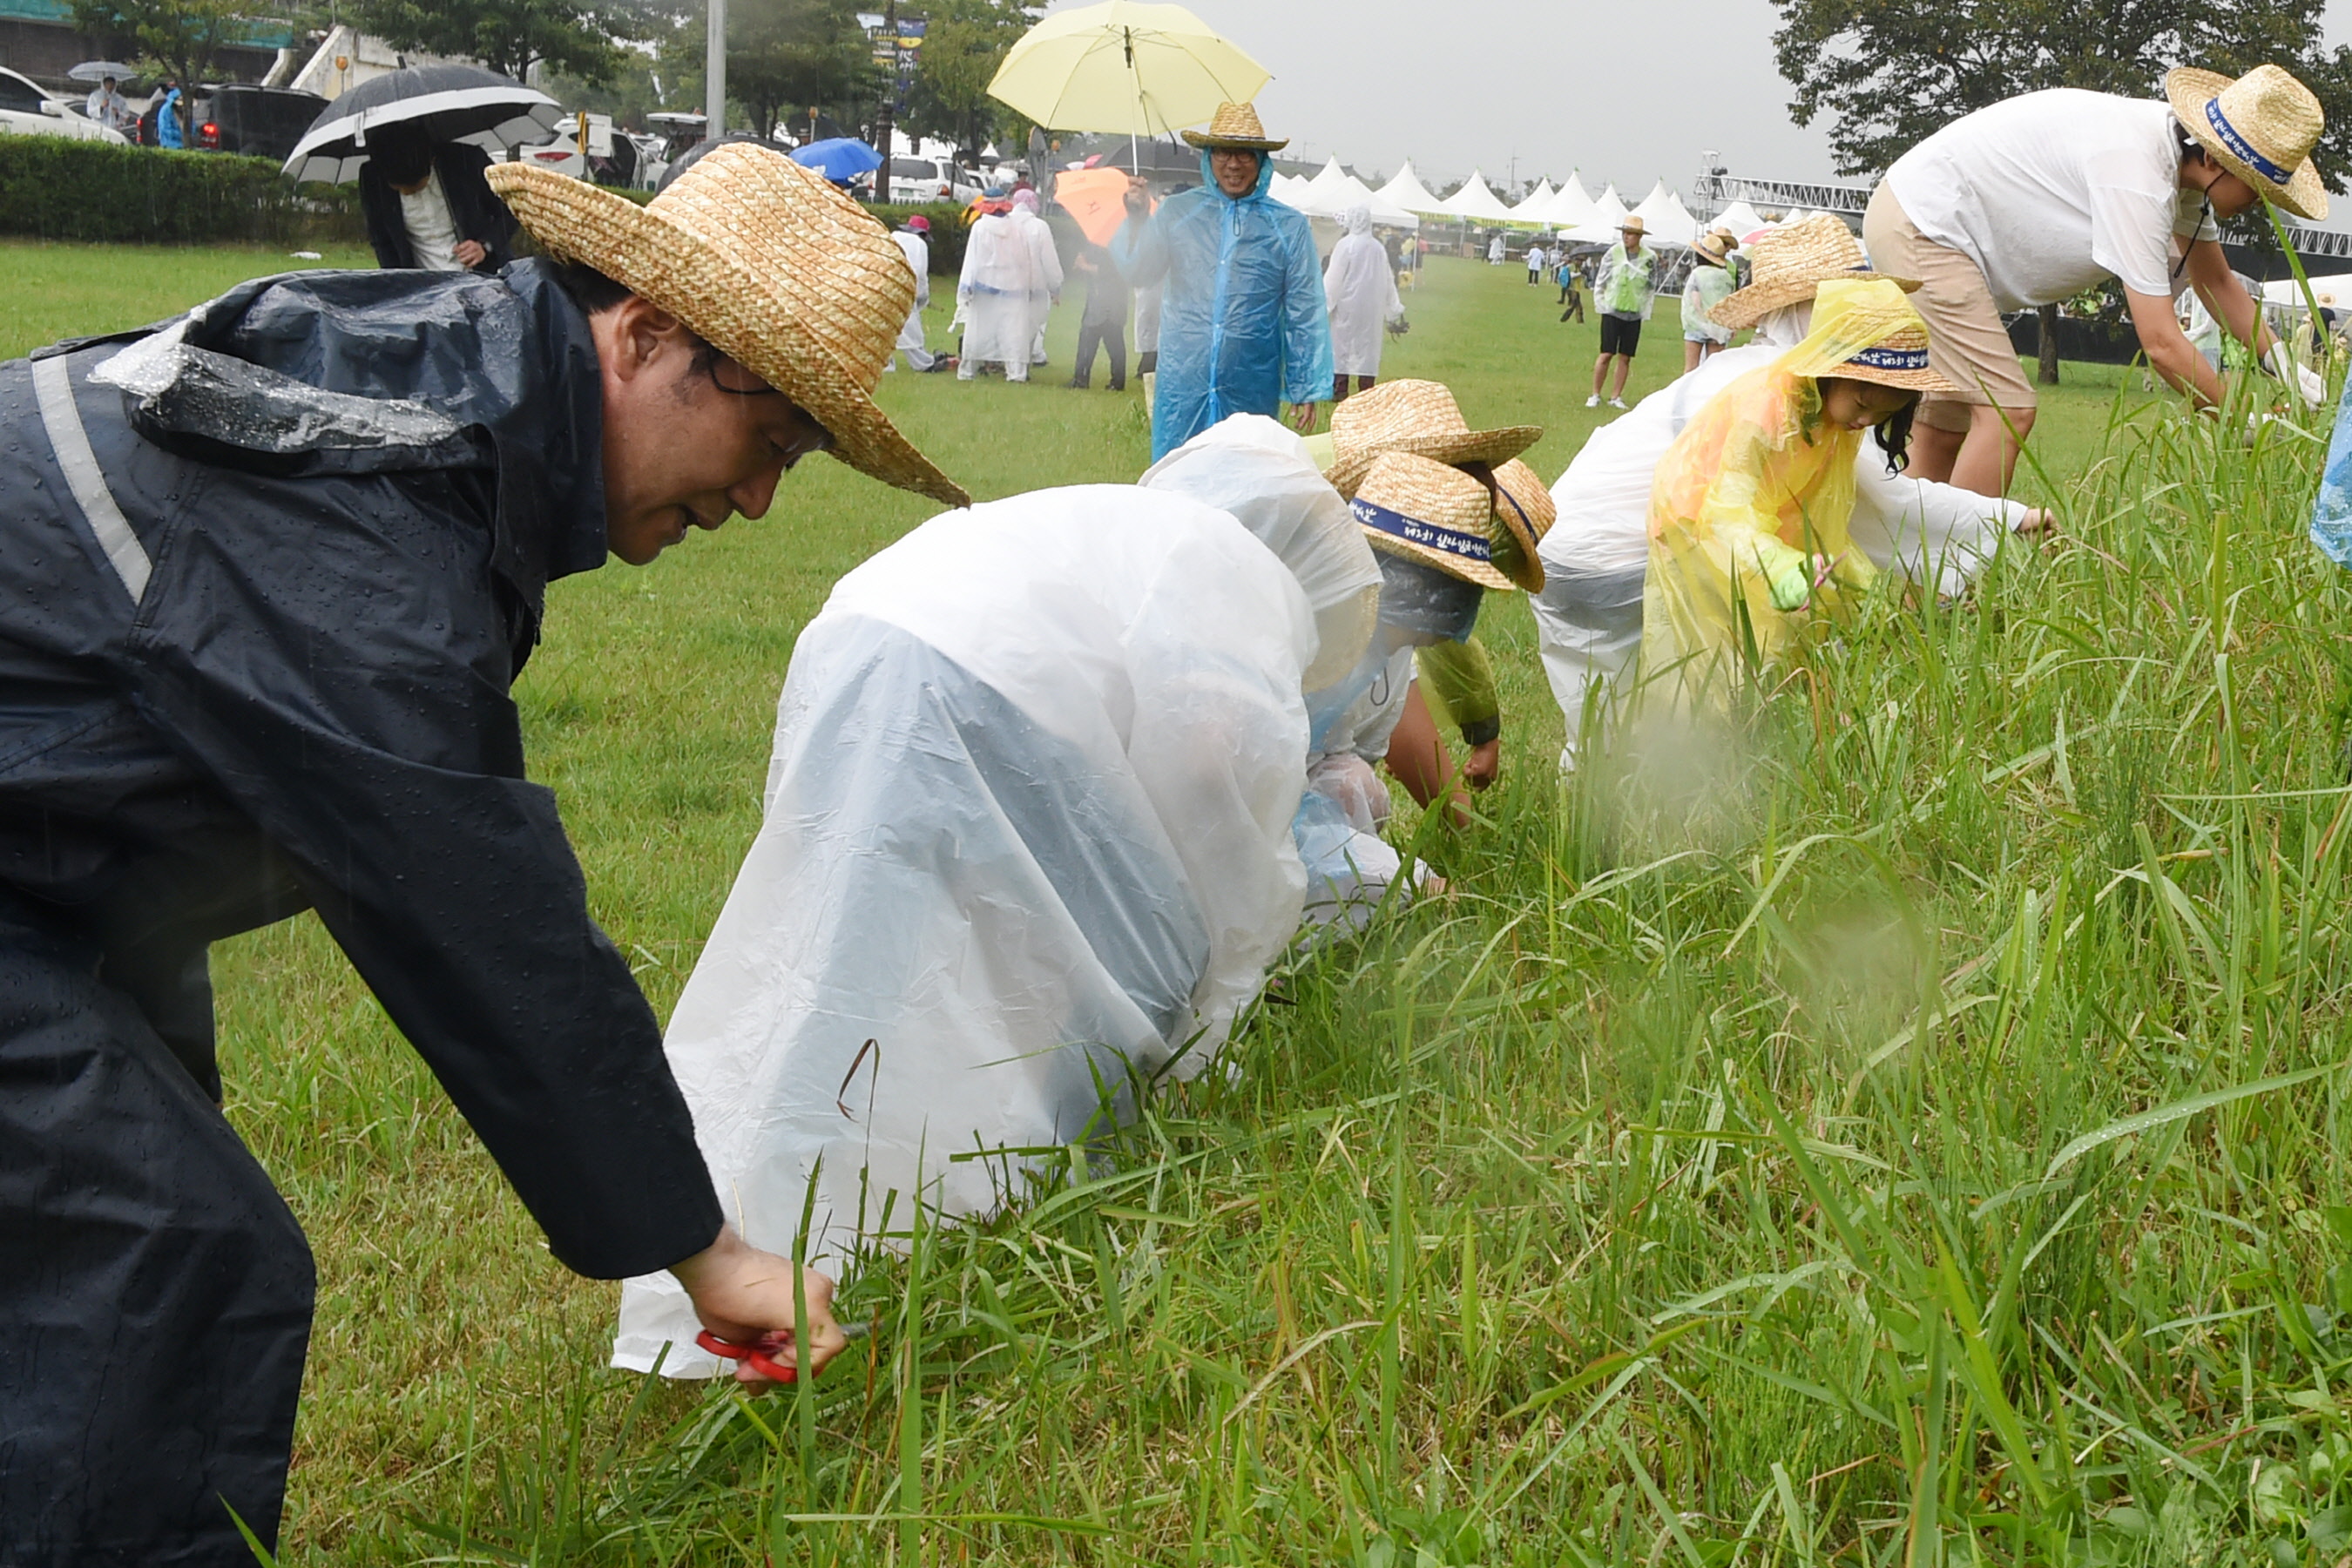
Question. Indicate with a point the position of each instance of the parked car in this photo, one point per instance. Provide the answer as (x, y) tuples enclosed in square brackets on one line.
[(26, 111), (932, 179), (240, 117), (616, 157)]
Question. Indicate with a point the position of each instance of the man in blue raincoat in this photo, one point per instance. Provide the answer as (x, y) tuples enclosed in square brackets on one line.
[(1243, 326)]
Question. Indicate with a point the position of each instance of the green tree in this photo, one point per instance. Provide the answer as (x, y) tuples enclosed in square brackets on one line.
[(799, 55), (1887, 75), (182, 37), (583, 38), (965, 42)]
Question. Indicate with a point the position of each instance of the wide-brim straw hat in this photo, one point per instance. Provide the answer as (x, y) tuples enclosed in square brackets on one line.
[(1716, 246), (1236, 125), (1899, 361), (1787, 264), (2261, 126), (1425, 510), (1523, 505), (770, 265), (1632, 224), (1417, 417)]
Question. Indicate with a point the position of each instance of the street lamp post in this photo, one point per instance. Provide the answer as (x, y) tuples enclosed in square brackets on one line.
[(714, 96)]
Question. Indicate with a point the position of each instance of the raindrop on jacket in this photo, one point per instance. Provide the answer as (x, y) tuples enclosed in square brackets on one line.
[(1243, 324)]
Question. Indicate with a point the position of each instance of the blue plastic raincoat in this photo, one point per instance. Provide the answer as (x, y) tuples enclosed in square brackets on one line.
[(1243, 325)]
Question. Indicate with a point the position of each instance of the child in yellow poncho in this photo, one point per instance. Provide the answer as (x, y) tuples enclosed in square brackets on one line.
[(1747, 516)]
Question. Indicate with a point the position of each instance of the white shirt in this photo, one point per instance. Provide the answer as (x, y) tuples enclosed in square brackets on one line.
[(2052, 192), (432, 232), (110, 108)]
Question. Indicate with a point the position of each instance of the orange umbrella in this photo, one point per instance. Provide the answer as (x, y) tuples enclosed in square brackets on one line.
[(1096, 197)]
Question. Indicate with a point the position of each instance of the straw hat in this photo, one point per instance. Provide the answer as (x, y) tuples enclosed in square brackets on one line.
[(770, 265), (1631, 224), (1420, 509), (1418, 416), (1869, 311), (1716, 245), (1523, 503), (2261, 127), (1787, 264), (1236, 125)]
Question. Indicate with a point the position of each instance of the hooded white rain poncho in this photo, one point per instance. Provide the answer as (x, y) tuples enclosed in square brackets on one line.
[(1044, 268), (993, 297), (1360, 290), (1596, 557), (1027, 834)]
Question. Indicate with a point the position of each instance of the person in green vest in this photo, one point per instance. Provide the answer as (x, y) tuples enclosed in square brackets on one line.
[(1622, 293)]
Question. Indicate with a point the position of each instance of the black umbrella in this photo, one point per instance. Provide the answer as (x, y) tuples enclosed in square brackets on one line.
[(448, 103)]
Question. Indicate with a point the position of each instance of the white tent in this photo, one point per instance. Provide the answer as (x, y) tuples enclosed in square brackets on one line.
[(1328, 175), (1608, 207), (1664, 218), (2333, 290), (1476, 202), (1406, 191), (1571, 205), (1742, 220), (1288, 189), (1535, 207), (1347, 192)]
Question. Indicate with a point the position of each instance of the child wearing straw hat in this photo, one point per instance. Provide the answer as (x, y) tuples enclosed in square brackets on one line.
[(1596, 558), (1749, 514), (1422, 417), (266, 576), (2032, 200), (1709, 284)]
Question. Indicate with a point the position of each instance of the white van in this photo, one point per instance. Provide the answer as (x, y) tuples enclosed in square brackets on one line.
[(931, 180)]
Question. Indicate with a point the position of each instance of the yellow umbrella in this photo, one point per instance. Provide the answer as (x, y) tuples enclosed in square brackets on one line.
[(1120, 66)]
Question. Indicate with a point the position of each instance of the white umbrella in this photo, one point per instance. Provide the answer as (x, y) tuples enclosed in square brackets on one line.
[(98, 70)]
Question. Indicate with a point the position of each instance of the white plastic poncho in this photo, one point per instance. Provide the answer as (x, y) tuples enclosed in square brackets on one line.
[(992, 292), (1044, 268), (1027, 829), (1254, 469), (1596, 557), (1359, 288), (918, 252)]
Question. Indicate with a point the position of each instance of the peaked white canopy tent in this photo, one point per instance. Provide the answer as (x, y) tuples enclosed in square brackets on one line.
[(1406, 191), (1535, 207), (1571, 205), (1334, 200), (1664, 218), (1476, 202), (1328, 175), (1743, 220)]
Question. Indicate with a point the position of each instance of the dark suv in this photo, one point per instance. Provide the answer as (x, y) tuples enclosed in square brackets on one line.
[(238, 117)]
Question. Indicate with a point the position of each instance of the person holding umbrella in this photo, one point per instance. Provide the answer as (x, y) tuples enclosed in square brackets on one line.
[(108, 107), (430, 206), (1244, 323), (267, 577)]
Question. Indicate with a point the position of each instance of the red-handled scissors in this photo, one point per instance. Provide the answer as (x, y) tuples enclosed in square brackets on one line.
[(760, 1357)]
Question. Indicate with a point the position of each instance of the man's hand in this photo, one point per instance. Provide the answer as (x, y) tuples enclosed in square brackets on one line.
[(744, 1295), (1139, 194), (1302, 418), (1485, 764), (471, 253)]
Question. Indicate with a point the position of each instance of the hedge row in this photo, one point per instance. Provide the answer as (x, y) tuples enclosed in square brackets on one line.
[(52, 187)]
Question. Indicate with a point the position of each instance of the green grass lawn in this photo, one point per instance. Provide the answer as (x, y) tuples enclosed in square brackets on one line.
[(1904, 1132)]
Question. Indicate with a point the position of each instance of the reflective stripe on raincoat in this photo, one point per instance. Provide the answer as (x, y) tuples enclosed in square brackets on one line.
[(1243, 325)]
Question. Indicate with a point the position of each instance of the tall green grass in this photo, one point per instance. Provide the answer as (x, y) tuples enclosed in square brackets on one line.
[(1699, 1183), (1902, 1129)]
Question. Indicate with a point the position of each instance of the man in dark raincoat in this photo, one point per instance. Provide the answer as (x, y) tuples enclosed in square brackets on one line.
[(1243, 324), (266, 577)]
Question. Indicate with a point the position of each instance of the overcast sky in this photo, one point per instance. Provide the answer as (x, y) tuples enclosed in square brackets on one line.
[(1454, 84)]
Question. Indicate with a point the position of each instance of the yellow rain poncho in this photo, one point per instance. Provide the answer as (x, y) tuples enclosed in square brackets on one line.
[(1754, 487)]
